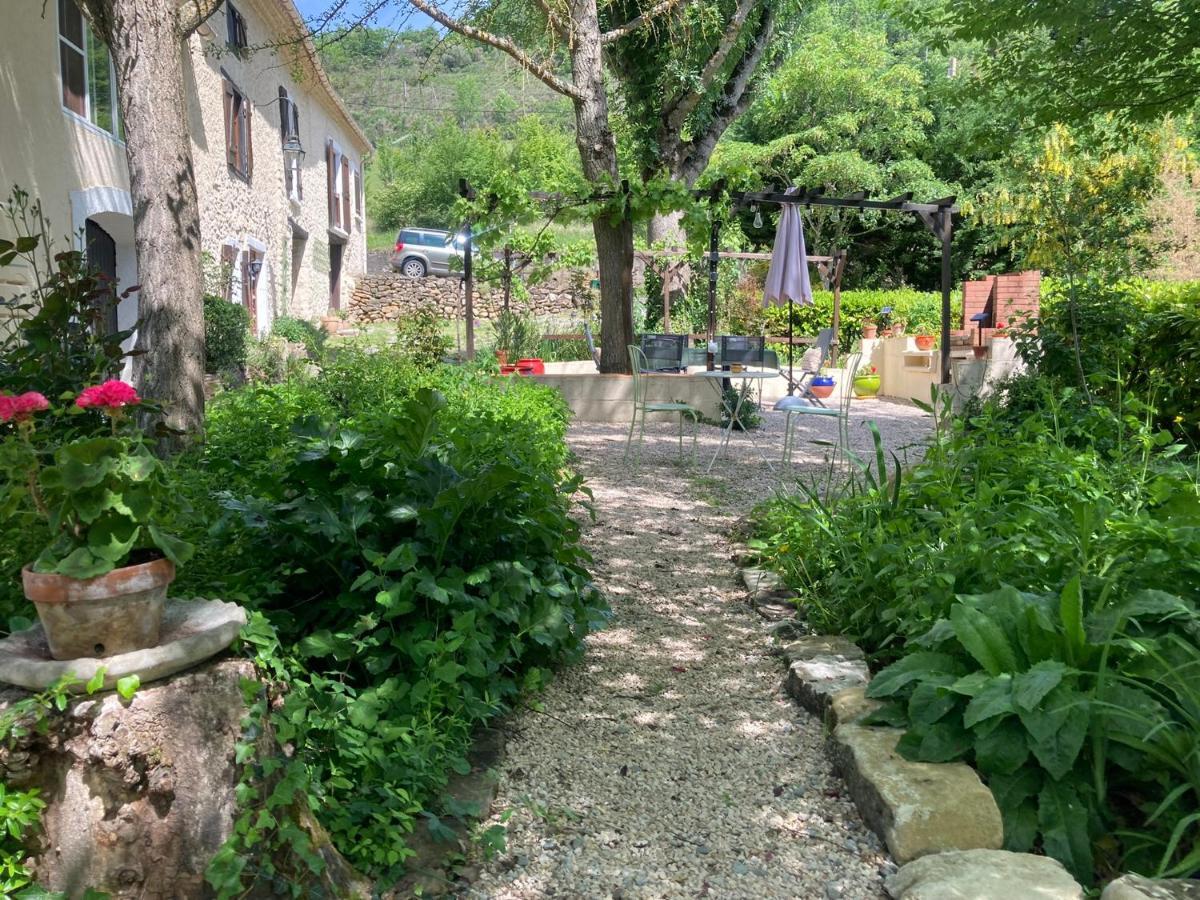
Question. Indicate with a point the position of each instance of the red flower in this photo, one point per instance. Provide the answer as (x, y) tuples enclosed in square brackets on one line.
[(111, 395), (20, 407)]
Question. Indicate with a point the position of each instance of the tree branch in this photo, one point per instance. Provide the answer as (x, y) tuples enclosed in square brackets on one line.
[(524, 60), (637, 22), (560, 27), (735, 99), (194, 13), (676, 113)]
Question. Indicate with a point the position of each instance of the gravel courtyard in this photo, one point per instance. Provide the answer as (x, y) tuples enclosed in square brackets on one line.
[(669, 763)]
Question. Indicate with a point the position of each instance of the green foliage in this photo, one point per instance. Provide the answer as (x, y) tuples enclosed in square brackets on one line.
[(416, 571), (518, 336), (106, 499), (226, 333), (1014, 580), (922, 309), (421, 337), (300, 331)]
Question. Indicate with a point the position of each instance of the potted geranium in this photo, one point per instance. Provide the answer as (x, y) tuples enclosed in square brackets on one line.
[(924, 338), (100, 584), (866, 382)]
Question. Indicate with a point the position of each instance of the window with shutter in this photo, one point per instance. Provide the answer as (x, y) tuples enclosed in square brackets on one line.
[(331, 163), (239, 151), (235, 28), (345, 193)]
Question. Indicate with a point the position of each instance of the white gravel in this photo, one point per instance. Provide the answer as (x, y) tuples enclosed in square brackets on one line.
[(669, 763)]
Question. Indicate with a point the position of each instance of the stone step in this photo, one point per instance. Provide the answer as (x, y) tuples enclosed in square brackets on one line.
[(917, 808)]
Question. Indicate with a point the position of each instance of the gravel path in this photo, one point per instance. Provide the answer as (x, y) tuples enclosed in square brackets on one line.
[(669, 763)]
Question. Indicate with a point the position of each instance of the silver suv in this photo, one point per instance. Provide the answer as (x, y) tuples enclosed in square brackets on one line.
[(425, 251)]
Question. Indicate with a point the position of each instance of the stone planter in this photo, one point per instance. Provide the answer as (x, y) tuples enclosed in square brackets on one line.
[(331, 324), (866, 385), (925, 341), (102, 616)]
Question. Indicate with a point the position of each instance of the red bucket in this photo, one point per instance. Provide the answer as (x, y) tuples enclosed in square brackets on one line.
[(534, 365)]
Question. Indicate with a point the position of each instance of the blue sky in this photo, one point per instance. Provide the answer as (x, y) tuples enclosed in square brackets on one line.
[(396, 14)]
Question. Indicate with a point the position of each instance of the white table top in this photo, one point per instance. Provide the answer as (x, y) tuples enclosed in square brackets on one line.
[(745, 373)]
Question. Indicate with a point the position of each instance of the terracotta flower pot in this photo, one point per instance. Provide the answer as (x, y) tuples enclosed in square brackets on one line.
[(822, 386), (866, 385), (502, 357), (101, 616), (924, 341), (331, 324), (870, 331)]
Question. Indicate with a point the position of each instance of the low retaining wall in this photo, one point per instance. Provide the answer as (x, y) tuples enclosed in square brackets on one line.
[(391, 296), (609, 398)]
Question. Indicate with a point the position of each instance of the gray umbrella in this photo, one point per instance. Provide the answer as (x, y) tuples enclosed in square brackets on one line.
[(788, 275)]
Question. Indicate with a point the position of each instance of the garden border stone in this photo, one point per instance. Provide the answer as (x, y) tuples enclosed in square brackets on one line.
[(983, 875), (812, 682), (1138, 887)]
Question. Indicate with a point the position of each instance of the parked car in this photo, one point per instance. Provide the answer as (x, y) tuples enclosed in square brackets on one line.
[(425, 251)]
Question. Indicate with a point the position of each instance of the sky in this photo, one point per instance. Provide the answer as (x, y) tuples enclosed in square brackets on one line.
[(398, 15)]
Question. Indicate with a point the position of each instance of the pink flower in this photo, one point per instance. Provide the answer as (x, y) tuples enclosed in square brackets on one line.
[(22, 406), (111, 396)]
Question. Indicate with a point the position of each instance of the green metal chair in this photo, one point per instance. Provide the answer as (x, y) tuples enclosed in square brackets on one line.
[(800, 406), (641, 386)]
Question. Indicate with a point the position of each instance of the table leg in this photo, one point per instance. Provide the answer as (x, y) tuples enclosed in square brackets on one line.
[(733, 417)]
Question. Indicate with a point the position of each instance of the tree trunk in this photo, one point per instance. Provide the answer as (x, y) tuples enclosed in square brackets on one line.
[(598, 153), (147, 47), (667, 229)]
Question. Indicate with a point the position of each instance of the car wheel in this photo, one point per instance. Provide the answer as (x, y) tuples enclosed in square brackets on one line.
[(413, 268)]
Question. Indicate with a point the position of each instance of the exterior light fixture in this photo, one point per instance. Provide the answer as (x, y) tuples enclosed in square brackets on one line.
[(254, 268), (292, 149)]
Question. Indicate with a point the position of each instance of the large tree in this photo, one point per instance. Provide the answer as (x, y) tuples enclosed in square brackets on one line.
[(146, 39), (682, 84)]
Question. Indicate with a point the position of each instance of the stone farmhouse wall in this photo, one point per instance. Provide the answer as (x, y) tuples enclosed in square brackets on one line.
[(392, 296)]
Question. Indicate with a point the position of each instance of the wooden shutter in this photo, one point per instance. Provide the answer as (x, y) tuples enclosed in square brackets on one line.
[(248, 149), (330, 177), (228, 259), (299, 163), (346, 223), (230, 126)]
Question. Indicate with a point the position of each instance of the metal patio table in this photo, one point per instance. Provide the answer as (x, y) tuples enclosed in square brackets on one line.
[(747, 377)]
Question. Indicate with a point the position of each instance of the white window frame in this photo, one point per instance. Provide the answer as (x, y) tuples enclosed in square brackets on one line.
[(86, 118)]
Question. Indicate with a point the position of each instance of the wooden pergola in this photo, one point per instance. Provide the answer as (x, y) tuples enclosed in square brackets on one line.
[(830, 268), (936, 215)]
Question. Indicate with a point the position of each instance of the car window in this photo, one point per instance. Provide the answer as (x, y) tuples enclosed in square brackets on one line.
[(410, 237)]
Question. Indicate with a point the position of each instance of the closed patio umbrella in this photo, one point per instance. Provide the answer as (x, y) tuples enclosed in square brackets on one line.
[(787, 277)]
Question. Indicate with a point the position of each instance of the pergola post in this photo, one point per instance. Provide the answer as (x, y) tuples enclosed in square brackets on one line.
[(714, 237), (468, 193)]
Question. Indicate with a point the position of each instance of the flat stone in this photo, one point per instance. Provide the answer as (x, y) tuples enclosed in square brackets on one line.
[(813, 681), (1136, 887), (787, 630), (815, 645), (983, 875), (192, 631), (917, 808), (848, 706), (765, 586)]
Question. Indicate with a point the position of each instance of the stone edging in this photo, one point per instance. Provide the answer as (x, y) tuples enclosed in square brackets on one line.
[(939, 821)]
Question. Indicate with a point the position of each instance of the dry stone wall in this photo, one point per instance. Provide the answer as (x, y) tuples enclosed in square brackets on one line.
[(391, 296)]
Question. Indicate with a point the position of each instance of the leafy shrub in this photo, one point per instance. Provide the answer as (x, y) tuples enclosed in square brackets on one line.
[(226, 328), (1014, 580), (405, 533), (422, 338), (300, 331), (921, 309), (518, 336)]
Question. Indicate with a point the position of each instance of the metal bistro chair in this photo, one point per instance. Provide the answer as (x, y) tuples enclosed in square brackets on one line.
[(637, 360), (664, 352), (801, 406)]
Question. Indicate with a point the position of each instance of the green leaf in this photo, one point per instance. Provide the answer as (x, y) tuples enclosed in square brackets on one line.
[(1030, 687), (1016, 796), (1070, 606), (1062, 819), (983, 639), (448, 672), (945, 741), (112, 536), (128, 686), (930, 701), (175, 549), (913, 667), (1057, 729), (96, 682), (82, 563), (994, 700), (1000, 747)]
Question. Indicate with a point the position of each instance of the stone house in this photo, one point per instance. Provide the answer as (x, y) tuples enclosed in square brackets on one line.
[(288, 229)]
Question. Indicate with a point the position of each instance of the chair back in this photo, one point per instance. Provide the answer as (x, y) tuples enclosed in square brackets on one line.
[(770, 359), (824, 341), (637, 363), (852, 363), (663, 351), (736, 348)]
